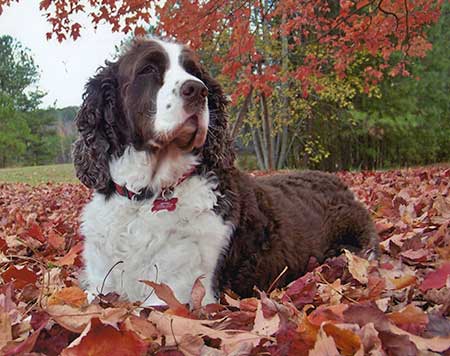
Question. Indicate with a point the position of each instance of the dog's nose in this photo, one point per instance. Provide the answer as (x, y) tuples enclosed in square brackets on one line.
[(193, 90)]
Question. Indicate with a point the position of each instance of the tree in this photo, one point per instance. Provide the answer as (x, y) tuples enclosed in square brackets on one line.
[(18, 75), (27, 134), (14, 132), (269, 48)]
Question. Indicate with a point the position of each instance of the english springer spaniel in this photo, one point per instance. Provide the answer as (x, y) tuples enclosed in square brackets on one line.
[(170, 205)]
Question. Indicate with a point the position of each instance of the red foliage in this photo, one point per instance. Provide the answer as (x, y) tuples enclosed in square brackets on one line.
[(398, 304), (343, 29)]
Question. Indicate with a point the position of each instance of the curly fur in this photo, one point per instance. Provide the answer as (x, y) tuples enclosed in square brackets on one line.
[(103, 132)]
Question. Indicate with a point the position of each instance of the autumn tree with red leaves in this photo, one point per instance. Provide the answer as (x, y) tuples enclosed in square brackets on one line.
[(274, 55)]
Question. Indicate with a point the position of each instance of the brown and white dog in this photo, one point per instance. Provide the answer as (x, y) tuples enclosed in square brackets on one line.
[(169, 202)]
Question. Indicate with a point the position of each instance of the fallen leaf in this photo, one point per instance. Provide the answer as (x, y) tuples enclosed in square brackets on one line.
[(420, 255), (403, 282), (346, 340), (362, 314), (55, 240), (265, 326), (176, 326), (25, 346), (438, 325), (104, 340), (197, 294), (165, 293), (302, 291), (35, 231), (328, 313), (69, 258), (76, 319), (370, 340), (73, 296), (437, 343), (358, 267), (142, 327), (5, 328), (436, 279), (324, 346), (21, 276), (410, 318), (395, 344)]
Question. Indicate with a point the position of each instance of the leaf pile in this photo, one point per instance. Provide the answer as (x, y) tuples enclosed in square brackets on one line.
[(398, 304)]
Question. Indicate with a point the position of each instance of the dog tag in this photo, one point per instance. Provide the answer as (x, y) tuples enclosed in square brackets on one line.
[(164, 204)]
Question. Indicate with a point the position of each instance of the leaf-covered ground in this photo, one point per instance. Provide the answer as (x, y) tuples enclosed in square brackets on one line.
[(398, 304)]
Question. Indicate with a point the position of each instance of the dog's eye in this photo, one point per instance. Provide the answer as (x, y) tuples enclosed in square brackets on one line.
[(192, 68), (149, 69)]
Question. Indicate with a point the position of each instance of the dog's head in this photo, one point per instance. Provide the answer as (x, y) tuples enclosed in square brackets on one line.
[(156, 96)]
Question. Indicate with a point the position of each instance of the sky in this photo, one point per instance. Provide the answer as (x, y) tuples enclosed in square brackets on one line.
[(64, 67)]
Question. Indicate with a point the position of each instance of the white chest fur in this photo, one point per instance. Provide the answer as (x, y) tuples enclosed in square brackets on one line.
[(171, 247)]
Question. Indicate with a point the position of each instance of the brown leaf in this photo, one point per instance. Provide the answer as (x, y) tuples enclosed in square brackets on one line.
[(21, 276), (25, 346), (5, 329), (436, 279), (438, 325), (437, 344), (346, 340), (410, 318), (73, 296), (55, 240), (69, 258), (403, 282), (302, 291), (175, 326), (265, 325), (324, 346), (358, 267), (197, 294), (165, 293), (397, 344), (76, 319), (142, 327), (370, 340), (420, 255), (105, 340), (328, 313), (362, 314), (35, 231)]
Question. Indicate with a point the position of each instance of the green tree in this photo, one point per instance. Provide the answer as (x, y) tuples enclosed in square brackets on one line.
[(19, 75), (14, 132), (28, 135)]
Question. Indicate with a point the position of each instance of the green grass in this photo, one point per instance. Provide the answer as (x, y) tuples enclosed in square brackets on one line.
[(57, 173)]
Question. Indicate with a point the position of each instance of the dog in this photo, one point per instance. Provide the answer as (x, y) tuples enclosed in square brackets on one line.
[(169, 205)]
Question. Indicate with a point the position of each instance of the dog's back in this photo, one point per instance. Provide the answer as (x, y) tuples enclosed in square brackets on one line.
[(346, 223), (288, 218)]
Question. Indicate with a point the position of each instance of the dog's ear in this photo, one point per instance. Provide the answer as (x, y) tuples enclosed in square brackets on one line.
[(218, 150), (97, 122)]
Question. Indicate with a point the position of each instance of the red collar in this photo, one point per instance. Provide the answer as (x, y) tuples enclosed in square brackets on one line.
[(164, 196)]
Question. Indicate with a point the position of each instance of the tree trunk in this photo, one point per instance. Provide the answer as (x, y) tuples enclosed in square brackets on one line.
[(267, 131), (285, 106), (258, 148), (241, 115)]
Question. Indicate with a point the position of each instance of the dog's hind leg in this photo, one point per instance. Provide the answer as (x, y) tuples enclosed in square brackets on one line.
[(348, 225)]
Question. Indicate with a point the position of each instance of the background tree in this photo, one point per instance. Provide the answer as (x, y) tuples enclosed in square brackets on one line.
[(13, 132), (305, 77), (28, 134), (19, 75)]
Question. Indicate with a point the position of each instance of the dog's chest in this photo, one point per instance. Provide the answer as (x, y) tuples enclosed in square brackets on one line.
[(174, 247)]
